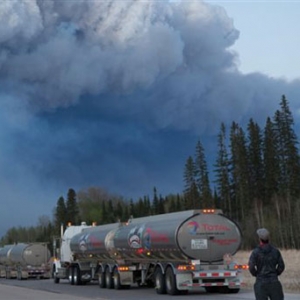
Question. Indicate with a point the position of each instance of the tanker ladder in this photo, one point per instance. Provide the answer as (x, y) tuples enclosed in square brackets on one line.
[(144, 276)]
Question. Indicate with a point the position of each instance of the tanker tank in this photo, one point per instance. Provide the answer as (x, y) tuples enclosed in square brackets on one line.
[(4, 254), (174, 236), (29, 254), (92, 241)]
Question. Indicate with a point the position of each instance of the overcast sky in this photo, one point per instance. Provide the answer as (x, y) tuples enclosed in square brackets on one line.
[(115, 94)]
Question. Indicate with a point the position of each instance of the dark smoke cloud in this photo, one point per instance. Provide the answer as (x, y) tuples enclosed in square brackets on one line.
[(115, 94)]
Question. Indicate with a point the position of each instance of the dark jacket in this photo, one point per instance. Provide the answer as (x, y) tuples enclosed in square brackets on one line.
[(266, 263)]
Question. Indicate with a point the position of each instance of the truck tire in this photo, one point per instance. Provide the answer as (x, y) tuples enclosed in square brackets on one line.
[(54, 275), (101, 279), (71, 275), (55, 279), (160, 284), (171, 286), (227, 290), (117, 280), (108, 279), (77, 275), (211, 289), (19, 275), (8, 275)]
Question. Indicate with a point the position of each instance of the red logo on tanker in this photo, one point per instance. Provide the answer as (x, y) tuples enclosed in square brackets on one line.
[(83, 242), (135, 237), (94, 241), (88, 241), (140, 236), (215, 227), (152, 236), (192, 227), (225, 242)]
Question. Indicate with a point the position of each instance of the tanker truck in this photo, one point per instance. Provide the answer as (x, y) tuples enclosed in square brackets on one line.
[(23, 261), (174, 253)]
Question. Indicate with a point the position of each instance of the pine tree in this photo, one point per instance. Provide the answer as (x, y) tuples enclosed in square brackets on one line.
[(147, 206), (155, 202), (256, 171), (140, 208), (271, 181), (222, 173), (72, 207), (271, 163), (179, 203), (132, 212), (172, 204), (288, 150), (161, 205), (289, 163), (239, 171), (202, 178), (60, 215), (119, 211), (191, 194), (111, 218), (126, 213)]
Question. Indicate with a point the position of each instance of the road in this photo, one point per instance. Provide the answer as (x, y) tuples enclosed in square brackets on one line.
[(47, 290)]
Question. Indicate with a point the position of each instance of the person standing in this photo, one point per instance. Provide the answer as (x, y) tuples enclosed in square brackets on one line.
[(266, 264)]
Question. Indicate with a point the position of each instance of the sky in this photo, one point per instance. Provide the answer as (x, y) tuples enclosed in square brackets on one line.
[(269, 36), (115, 94)]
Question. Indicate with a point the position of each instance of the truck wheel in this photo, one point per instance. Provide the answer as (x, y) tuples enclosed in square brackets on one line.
[(19, 275), (117, 280), (71, 276), (55, 279), (54, 275), (211, 289), (76, 275), (160, 284), (108, 279), (101, 278), (8, 275), (224, 290), (171, 286)]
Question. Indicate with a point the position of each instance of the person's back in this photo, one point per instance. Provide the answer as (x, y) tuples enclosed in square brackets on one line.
[(266, 264)]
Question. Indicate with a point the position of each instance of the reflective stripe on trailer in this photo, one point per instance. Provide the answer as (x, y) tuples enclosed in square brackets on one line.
[(214, 274), (210, 284)]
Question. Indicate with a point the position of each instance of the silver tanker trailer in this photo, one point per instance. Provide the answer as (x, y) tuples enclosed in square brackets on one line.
[(3, 259), (23, 261), (175, 252)]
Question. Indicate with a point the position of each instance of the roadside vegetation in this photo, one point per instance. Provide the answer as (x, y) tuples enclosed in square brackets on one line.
[(289, 279)]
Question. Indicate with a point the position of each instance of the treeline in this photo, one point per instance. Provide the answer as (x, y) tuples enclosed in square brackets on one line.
[(257, 178), (94, 205), (256, 183)]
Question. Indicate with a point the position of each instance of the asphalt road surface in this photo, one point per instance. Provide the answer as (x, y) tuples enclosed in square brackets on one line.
[(45, 289)]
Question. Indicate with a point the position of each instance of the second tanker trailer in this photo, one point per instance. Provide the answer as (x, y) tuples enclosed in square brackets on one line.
[(174, 253), (24, 261)]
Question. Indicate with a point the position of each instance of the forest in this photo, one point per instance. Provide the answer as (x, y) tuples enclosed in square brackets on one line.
[(256, 183)]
